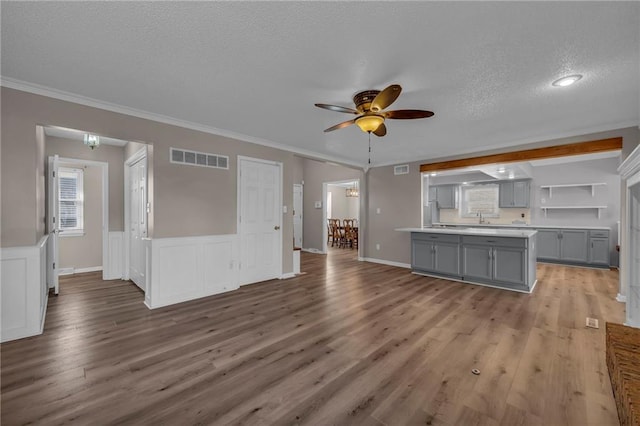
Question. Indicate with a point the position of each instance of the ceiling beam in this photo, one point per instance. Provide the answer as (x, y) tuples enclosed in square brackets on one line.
[(580, 148)]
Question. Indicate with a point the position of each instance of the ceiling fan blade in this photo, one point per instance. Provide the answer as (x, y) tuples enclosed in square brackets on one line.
[(385, 98), (337, 108), (380, 131), (408, 114), (341, 125)]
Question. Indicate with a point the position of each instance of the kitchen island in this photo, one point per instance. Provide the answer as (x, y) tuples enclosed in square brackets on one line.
[(502, 258)]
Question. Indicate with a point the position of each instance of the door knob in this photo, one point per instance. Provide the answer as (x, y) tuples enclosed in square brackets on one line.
[(276, 227)]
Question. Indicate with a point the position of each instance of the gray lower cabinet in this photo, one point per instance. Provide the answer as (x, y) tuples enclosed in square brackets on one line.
[(485, 260), (574, 246), (436, 253)]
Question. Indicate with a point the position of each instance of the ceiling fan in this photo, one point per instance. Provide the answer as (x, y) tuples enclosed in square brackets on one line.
[(369, 110)]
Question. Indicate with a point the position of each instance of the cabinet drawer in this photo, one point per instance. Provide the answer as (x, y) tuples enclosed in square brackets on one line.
[(599, 233), (445, 238), (494, 241)]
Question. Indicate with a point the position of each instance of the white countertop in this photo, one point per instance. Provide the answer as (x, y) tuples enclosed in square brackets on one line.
[(515, 225), (514, 233)]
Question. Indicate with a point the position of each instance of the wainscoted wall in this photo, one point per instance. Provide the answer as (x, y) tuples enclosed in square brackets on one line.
[(23, 290), (114, 269), (181, 269)]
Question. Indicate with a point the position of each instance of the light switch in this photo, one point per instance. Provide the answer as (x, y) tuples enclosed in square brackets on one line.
[(378, 210)]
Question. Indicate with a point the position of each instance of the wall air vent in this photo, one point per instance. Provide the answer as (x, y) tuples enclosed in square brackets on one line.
[(401, 170), (202, 159)]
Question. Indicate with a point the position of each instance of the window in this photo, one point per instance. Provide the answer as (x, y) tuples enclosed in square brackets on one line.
[(479, 199), (70, 201)]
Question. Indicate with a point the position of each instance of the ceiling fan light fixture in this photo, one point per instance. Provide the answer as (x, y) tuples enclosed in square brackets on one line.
[(566, 81), (369, 123)]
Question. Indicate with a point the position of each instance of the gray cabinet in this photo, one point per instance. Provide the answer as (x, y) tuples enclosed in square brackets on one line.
[(599, 248), (443, 195), (438, 253), (574, 246), (514, 194), (495, 260)]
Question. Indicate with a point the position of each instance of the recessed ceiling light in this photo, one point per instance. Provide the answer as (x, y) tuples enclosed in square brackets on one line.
[(433, 173), (501, 170), (566, 81), (464, 183)]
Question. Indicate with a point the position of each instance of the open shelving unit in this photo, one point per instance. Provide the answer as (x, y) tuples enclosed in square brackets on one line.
[(573, 185), (598, 208)]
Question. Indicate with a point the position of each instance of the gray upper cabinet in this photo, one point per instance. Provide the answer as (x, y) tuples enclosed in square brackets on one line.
[(514, 193), (444, 195)]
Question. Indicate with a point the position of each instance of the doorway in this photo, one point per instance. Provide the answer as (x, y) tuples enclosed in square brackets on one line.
[(342, 201), (259, 219), (82, 225)]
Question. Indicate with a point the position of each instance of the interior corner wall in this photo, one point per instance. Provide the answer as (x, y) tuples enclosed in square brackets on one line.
[(41, 183), (188, 200), (398, 199), (316, 173)]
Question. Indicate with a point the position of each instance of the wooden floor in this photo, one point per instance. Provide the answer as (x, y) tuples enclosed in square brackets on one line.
[(346, 343)]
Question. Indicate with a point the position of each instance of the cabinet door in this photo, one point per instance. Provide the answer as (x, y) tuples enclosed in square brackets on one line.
[(521, 193), (509, 265), (422, 255), (548, 243), (573, 245), (599, 251), (476, 262), (505, 194), (446, 197), (447, 258)]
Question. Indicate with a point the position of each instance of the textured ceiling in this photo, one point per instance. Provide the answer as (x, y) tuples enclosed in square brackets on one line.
[(255, 69)]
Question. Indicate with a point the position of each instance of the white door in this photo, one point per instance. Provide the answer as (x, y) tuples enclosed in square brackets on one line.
[(137, 221), (259, 221), (52, 225), (297, 215)]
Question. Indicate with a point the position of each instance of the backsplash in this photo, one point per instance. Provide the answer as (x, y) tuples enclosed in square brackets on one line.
[(507, 216)]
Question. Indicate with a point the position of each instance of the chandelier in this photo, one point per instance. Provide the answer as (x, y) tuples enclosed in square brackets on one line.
[(353, 191)]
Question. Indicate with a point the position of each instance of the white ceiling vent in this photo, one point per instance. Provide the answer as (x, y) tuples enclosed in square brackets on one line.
[(202, 159), (401, 170)]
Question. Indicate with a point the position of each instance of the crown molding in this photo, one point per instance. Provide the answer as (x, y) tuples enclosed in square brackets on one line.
[(49, 92)]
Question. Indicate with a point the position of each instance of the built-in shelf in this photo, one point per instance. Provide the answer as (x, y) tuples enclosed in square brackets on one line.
[(598, 208), (573, 185)]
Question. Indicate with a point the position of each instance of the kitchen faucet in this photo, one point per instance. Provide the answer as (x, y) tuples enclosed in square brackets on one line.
[(480, 219)]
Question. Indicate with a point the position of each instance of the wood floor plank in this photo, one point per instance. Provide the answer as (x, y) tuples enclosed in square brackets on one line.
[(348, 342)]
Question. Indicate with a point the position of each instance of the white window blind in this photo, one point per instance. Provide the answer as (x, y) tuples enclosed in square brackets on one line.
[(70, 200), (479, 199)]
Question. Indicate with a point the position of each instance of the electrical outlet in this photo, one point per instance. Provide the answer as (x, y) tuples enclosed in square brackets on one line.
[(377, 246)]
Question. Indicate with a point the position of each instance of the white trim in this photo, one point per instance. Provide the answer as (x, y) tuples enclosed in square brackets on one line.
[(188, 268), (477, 283), (385, 262), (621, 298), (113, 269), (107, 106), (24, 290), (287, 275), (312, 250), (73, 271)]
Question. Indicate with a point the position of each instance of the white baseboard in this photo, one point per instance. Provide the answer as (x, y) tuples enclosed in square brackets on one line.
[(385, 262), (621, 298), (313, 250), (72, 271), (287, 275), (24, 290)]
